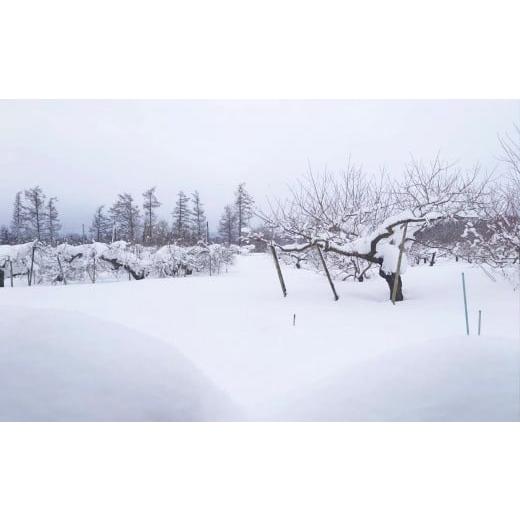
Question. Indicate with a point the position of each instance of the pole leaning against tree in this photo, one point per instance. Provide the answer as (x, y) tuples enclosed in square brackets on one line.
[(278, 270), (399, 260), (63, 279), (32, 265), (331, 283), (465, 303)]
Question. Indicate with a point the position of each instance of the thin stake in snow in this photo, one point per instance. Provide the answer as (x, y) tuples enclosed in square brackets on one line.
[(399, 260), (294, 320), (479, 321), (11, 271), (465, 303), (278, 270), (336, 297)]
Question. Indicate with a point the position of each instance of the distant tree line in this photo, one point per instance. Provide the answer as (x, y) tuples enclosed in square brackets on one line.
[(36, 217)]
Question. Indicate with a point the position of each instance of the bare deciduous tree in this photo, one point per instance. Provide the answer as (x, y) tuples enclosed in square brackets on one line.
[(33, 209), (150, 204), (52, 224), (362, 217)]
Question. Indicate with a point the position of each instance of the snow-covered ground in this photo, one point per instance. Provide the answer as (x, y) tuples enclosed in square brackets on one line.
[(201, 348)]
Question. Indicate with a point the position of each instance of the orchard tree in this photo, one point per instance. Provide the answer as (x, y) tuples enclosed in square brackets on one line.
[(499, 243), (364, 218)]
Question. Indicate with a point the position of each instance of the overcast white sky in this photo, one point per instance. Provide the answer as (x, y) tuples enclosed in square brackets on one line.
[(85, 152)]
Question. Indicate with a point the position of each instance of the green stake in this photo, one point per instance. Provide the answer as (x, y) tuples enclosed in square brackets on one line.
[(479, 321), (465, 303)]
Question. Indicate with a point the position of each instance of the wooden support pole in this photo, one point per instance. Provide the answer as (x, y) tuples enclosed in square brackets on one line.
[(63, 279), (2, 275), (11, 271), (465, 303), (399, 260), (278, 270), (331, 283), (479, 321), (32, 266)]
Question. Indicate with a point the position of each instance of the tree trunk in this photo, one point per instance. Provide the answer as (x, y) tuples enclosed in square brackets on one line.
[(390, 281), (117, 265)]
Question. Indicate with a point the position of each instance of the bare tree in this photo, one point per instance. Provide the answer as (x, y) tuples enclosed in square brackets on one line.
[(33, 209), (150, 203), (51, 221), (498, 244), (363, 218)]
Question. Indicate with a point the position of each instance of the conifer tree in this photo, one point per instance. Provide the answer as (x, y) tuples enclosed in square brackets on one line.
[(125, 217), (227, 225), (18, 219), (181, 219), (244, 205), (101, 227), (198, 217)]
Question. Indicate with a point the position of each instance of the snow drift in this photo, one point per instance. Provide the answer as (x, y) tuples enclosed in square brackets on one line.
[(451, 379), (64, 366)]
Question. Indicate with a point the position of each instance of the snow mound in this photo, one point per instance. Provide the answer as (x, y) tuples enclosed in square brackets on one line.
[(455, 379), (65, 366)]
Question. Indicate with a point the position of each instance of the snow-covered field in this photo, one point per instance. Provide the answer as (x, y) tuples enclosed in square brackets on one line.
[(225, 348)]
